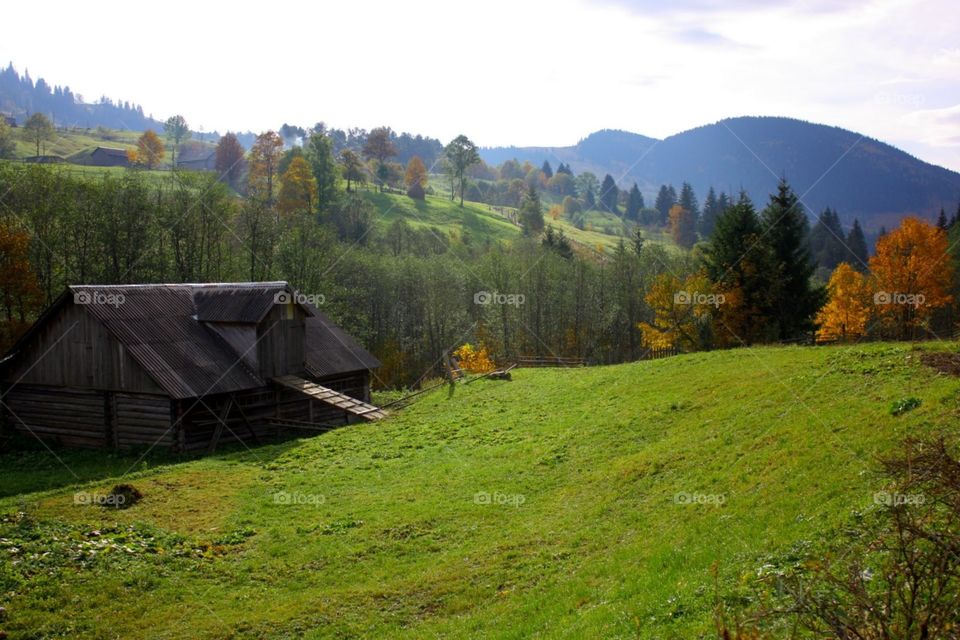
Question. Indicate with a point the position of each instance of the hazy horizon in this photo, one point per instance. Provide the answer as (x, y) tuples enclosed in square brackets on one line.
[(549, 76)]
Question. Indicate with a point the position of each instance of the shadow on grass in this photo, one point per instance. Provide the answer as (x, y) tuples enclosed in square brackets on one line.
[(29, 467)]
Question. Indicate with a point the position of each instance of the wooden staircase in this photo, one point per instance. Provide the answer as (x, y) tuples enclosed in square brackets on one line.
[(332, 398)]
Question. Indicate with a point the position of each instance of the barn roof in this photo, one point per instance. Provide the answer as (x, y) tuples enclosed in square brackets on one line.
[(163, 327), (111, 151)]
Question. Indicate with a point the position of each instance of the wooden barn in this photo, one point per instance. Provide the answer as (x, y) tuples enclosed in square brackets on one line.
[(105, 157), (183, 367)]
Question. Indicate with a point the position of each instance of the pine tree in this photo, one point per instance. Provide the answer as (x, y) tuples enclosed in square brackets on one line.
[(531, 213), (740, 264), (826, 241), (688, 200), (711, 211), (634, 203), (857, 247), (666, 198), (785, 231), (547, 170), (609, 195), (942, 220)]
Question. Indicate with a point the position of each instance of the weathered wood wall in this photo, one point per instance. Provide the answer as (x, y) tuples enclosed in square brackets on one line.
[(73, 349), (282, 336)]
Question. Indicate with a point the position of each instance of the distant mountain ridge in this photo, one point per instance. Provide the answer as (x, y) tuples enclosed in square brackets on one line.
[(827, 166)]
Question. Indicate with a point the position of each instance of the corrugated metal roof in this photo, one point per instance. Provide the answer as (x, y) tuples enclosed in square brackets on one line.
[(331, 351), (164, 328), (167, 329)]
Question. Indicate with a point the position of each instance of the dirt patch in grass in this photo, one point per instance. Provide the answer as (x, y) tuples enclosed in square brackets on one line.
[(948, 363)]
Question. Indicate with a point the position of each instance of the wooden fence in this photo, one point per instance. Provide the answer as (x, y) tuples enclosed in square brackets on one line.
[(656, 354), (549, 361)]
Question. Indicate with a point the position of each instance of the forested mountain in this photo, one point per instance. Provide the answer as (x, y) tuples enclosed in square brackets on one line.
[(858, 176), (21, 96)]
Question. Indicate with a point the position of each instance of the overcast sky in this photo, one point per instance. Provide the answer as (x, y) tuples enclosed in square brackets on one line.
[(512, 72)]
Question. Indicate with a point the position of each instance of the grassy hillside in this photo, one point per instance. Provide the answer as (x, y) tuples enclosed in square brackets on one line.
[(566, 503), (483, 223)]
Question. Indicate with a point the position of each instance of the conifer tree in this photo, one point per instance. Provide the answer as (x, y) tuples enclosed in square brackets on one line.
[(857, 247), (785, 231)]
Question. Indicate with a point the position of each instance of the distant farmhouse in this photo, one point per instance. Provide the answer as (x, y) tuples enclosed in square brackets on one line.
[(183, 367), (207, 163), (105, 157)]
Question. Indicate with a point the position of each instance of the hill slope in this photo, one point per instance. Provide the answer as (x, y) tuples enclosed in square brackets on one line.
[(547, 505), (861, 177)]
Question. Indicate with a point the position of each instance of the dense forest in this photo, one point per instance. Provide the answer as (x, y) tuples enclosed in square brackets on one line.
[(20, 96), (739, 273)]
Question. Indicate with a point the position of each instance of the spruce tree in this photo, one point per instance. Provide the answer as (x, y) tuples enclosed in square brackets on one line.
[(942, 220), (826, 240), (609, 195), (531, 213), (708, 218), (688, 200), (857, 248), (740, 263), (547, 169), (786, 229), (634, 203), (664, 202)]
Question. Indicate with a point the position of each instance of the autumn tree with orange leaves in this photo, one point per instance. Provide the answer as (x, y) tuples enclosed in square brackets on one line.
[(913, 274), (683, 226), (850, 304), (149, 151), (416, 178), (263, 166), (20, 295)]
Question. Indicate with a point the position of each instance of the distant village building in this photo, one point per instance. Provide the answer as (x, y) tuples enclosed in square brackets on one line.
[(183, 367), (105, 157), (207, 163)]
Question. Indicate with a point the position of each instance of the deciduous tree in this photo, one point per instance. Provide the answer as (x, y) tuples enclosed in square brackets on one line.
[(682, 311), (849, 305), (298, 189), (913, 275), (379, 147), (150, 150), (176, 130), (8, 146), (461, 153), (683, 226), (37, 130), (264, 163), (229, 159), (353, 169)]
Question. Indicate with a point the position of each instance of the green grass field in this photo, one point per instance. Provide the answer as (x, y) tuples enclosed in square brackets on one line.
[(587, 503)]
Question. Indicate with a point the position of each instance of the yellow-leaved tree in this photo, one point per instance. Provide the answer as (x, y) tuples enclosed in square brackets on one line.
[(683, 312), (298, 188), (474, 359), (913, 274), (849, 305)]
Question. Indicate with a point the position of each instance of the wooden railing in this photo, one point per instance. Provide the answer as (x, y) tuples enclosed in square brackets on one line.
[(656, 354), (549, 361)]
